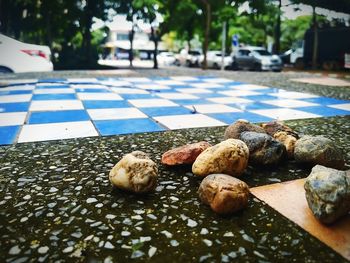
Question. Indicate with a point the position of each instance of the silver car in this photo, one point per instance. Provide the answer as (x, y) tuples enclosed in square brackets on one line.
[(256, 58)]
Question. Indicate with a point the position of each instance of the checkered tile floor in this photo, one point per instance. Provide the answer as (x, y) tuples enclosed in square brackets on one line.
[(50, 109)]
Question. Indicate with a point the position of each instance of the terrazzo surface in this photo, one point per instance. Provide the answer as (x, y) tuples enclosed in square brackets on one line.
[(58, 205)]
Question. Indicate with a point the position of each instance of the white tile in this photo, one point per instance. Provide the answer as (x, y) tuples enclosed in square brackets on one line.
[(212, 108), (285, 114), (194, 90), (205, 85), (129, 91), (63, 83), (136, 79), (22, 87), (188, 121), (150, 103), (12, 118), (248, 87), (151, 86), (176, 96), (344, 106), (54, 91), (289, 103), (116, 83), (15, 98), (82, 80), (292, 95), (237, 93), (98, 96), (169, 82), (88, 86), (115, 114), (217, 80), (229, 100), (184, 78), (52, 105), (56, 131)]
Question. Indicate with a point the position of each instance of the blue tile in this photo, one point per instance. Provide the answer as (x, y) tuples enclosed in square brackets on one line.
[(164, 111), (113, 127), (93, 90), (15, 92), (229, 118), (105, 104), (58, 86), (326, 101), (14, 107), (53, 80), (137, 96), (324, 111), (54, 97), (58, 116), (8, 134)]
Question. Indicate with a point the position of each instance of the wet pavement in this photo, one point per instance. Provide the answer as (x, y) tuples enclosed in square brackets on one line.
[(56, 202)]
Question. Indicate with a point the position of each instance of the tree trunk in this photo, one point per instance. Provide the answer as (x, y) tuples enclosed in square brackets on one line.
[(207, 31), (315, 46), (155, 52), (278, 30), (131, 39)]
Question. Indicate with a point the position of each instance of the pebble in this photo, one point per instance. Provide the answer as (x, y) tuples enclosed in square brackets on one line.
[(53, 190), (43, 250), (125, 233), (26, 197), (15, 250), (91, 200), (109, 245), (191, 223), (208, 242), (174, 243), (204, 231), (67, 250), (24, 219), (152, 250), (167, 233)]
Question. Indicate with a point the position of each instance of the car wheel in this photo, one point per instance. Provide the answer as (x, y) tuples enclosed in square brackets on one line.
[(188, 63), (177, 63), (5, 70), (257, 67), (216, 66), (234, 65), (299, 63)]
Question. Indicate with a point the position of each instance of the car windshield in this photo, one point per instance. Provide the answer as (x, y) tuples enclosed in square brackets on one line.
[(194, 53), (262, 52)]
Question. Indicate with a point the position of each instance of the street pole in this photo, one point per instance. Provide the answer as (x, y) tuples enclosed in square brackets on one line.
[(223, 45)]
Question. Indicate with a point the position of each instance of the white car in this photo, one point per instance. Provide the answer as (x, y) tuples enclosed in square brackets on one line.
[(17, 57), (214, 60), (166, 58)]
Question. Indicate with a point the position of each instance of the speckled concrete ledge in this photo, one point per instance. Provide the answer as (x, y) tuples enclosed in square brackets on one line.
[(56, 204)]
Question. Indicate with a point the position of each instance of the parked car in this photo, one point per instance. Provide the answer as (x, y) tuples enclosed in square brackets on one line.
[(214, 60), (166, 58), (188, 58), (16, 56), (256, 58)]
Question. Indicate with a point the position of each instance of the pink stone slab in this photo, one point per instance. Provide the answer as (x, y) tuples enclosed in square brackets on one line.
[(288, 198), (324, 81)]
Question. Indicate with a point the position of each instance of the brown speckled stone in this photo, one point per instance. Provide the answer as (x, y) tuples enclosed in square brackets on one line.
[(223, 193), (235, 130), (229, 157), (288, 141), (273, 127)]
